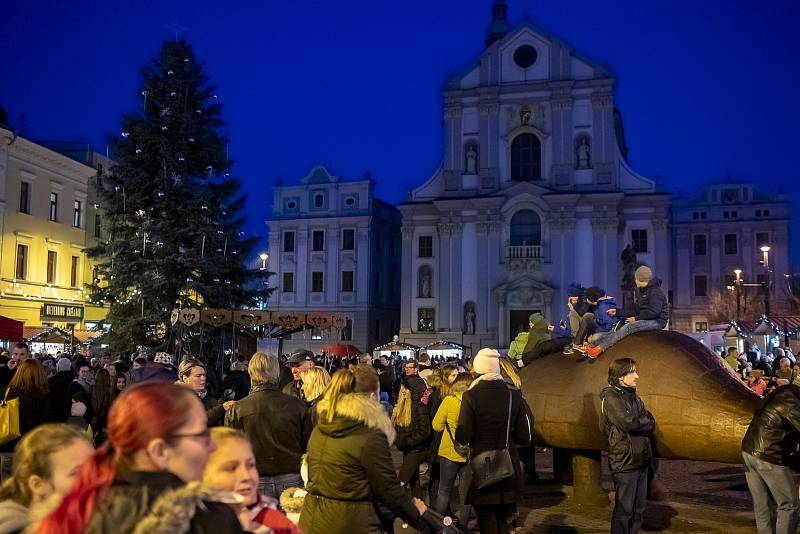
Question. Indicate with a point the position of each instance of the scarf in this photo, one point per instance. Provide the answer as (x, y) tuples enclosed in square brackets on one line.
[(485, 378)]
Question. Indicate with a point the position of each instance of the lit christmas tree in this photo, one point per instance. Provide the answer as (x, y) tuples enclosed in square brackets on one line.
[(171, 211)]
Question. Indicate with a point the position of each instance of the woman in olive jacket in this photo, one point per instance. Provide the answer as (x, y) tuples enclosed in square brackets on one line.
[(482, 424), (350, 468)]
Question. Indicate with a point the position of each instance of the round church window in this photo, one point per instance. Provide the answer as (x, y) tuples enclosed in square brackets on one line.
[(525, 56)]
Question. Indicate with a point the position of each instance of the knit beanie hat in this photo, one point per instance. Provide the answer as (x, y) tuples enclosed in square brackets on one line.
[(534, 318), (78, 409), (575, 290), (644, 274), (595, 293), (486, 361), (63, 364)]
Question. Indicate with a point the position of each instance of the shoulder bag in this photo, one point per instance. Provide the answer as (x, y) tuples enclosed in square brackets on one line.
[(493, 466), (9, 419)]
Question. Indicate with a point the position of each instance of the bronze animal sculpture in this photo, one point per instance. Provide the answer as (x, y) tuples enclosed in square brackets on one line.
[(701, 408)]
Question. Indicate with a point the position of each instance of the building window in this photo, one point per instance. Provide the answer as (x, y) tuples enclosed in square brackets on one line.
[(97, 224), (726, 214), (762, 239), (318, 240), (701, 326), (426, 320), (526, 158), (288, 241), (316, 282), (319, 201), (425, 245), (526, 228), (700, 286), (51, 266), (758, 213), (377, 283), (74, 272), (21, 272), (288, 282), (700, 248), (639, 240), (76, 214), (695, 215), (702, 215), (731, 244), (54, 207), (766, 213), (348, 239), (25, 197), (347, 331), (347, 281)]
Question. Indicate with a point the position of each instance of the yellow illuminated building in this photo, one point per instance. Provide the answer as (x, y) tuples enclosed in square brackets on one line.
[(47, 223)]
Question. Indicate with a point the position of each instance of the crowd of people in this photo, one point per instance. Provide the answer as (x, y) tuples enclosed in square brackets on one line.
[(763, 373)]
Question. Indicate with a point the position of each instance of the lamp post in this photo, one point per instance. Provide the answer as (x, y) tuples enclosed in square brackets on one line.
[(765, 263), (738, 285), (263, 257)]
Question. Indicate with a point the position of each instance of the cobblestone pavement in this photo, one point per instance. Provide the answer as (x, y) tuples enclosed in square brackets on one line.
[(696, 497)]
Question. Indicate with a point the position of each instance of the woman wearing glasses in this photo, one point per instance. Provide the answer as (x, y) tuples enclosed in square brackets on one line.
[(146, 478)]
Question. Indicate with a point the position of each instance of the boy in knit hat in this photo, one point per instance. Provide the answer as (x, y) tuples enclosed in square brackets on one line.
[(540, 341), (651, 312), (601, 318)]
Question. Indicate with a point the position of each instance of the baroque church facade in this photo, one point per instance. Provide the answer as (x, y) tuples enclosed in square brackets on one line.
[(534, 192)]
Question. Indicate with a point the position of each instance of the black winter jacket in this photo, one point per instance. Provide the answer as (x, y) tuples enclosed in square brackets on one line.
[(628, 425), (214, 410), (416, 436), (482, 425), (774, 432), (32, 413), (652, 304), (278, 427)]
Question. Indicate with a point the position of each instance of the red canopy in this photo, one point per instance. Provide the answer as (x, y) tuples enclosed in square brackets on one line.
[(10, 330), (342, 350)]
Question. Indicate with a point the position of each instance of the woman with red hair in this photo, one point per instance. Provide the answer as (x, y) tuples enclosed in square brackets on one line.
[(146, 478)]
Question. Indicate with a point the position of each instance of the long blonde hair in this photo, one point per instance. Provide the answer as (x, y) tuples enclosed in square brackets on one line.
[(507, 369), (361, 379), (401, 415), (32, 457), (315, 381)]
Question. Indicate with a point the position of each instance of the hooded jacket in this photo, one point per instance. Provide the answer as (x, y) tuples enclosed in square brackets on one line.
[(652, 304), (628, 425), (159, 503), (517, 346), (448, 413), (774, 432), (606, 322), (350, 470)]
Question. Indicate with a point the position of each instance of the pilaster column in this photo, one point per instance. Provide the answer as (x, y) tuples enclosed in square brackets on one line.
[(454, 277), (407, 283), (442, 277), (484, 301)]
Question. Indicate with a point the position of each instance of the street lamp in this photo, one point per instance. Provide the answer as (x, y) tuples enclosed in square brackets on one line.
[(263, 257), (765, 262)]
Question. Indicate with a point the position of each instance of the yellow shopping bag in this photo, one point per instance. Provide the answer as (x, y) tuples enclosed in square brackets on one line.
[(9, 419)]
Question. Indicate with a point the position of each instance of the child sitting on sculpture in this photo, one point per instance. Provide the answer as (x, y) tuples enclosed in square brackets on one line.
[(541, 341), (651, 313), (597, 319)]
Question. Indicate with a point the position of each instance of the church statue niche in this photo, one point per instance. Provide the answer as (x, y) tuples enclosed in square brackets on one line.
[(425, 282), (583, 152), (469, 318), (471, 158), (525, 115)]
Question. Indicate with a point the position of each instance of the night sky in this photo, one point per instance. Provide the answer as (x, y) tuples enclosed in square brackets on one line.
[(707, 89)]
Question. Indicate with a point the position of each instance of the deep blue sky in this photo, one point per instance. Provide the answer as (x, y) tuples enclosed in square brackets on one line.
[(706, 87)]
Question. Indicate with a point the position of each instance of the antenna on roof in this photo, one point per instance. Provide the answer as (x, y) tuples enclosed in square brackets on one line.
[(177, 28)]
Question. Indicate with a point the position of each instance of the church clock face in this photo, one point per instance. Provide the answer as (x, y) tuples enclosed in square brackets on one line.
[(525, 56)]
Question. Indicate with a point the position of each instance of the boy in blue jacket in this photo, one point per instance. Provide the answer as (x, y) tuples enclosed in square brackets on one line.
[(601, 318)]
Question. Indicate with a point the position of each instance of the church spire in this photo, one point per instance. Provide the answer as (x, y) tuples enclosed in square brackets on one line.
[(499, 26)]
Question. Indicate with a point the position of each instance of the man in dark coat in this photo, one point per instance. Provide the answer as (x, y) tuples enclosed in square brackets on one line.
[(277, 424), (59, 397), (652, 312), (767, 451), (387, 377), (628, 426), (299, 361)]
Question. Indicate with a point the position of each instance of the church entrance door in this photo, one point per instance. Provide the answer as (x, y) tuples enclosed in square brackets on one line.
[(517, 319)]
